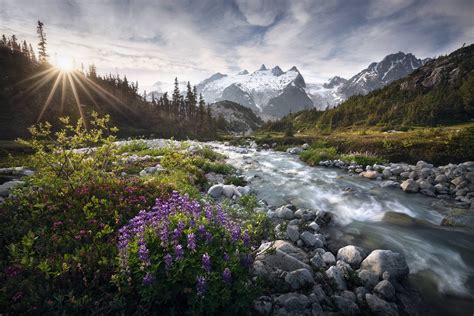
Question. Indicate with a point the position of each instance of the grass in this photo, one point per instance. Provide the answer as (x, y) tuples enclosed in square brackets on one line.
[(439, 145)]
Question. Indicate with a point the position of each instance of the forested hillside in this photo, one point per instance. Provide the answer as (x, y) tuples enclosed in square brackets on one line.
[(32, 90), (440, 92)]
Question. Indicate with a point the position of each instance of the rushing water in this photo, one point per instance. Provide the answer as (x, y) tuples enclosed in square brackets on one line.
[(441, 260)]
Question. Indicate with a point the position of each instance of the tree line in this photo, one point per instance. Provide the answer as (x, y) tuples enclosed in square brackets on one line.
[(179, 115)]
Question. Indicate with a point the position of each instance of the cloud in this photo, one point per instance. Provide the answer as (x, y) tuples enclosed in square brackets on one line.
[(151, 40)]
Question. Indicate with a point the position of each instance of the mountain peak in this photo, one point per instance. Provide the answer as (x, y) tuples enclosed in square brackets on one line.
[(277, 71), (243, 72), (294, 69), (262, 67)]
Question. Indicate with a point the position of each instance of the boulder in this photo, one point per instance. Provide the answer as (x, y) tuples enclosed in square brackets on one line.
[(441, 178), (263, 306), (317, 261), (314, 226), (293, 233), (7, 187), (293, 301), (215, 191), (421, 164), (310, 239), (410, 186), (379, 261), (229, 191), (370, 174), (284, 213), (299, 278), (386, 173), (385, 290), (281, 255), (380, 307), (345, 306), (335, 275), (352, 255), (329, 258), (368, 279)]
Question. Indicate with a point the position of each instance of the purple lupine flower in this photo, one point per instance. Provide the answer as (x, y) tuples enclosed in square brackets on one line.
[(206, 262), (148, 279), (246, 238), (192, 242), (208, 213), (227, 276), (178, 252), (168, 259), (143, 253), (226, 257), (235, 233), (201, 285), (220, 217)]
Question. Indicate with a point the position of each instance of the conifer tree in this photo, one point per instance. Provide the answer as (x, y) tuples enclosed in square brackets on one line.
[(42, 55), (175, 98), (25, 51), (32, 54)]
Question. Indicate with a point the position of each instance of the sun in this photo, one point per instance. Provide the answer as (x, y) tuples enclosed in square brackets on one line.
[(65, 63)]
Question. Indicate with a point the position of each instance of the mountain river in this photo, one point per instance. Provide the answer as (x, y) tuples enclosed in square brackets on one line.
[(441, 259)]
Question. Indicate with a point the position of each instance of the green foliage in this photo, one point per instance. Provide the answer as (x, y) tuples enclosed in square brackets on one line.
[(207, 153), (314, 155), (209, 166), (133, 147), (363, 159), (235, 180), (74, 155)]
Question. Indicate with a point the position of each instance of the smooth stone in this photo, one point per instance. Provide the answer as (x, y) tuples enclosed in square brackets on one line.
[(380, 307), (385, 289), (215, 191), (352, 255), (299, 278), (336, 275), (329, 258), (379, 261), (292, 232)]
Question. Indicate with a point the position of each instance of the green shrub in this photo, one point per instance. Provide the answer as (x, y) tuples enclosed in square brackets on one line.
[(363, 159), (133, 146), (73, 156), (207, 153), (235, 180), (314, 155), (209, 166)]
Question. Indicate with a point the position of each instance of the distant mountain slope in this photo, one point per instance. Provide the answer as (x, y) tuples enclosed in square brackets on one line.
[(439, 92), (238, 118), (275, 92), (378, 75)]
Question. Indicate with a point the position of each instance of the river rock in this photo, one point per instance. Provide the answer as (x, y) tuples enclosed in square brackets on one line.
[(263, 306), (7, 187), (215, 191), (314, 226), (441, 178), (229, 191), (459, 218), (281, 255), (299, 278), (386, 173), (345, 306), (385, 289), (380, 307), (421, 165), (397, 170), (284, 213), (293, 233), (329, 258), (410, 186), (368, 278), (310, 239), (317, 261), (379, 261), (243, 190), (370, 174), (352, 255), (293, 301), (336, 275)]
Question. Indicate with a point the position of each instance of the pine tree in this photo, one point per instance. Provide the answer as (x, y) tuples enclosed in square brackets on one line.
[(202, 110), (42, 55), (25, 51), (32, 54), (4, 40), (175, 98), (14, 45)]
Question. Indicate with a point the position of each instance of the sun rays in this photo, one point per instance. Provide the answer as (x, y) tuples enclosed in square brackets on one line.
[(64, 79)]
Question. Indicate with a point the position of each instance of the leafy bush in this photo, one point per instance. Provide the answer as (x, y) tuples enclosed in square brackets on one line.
[(208, 153), (58, 248), (235, 180), (314, 155), (184, 257), (209, 166), (74, 155), (133, 146), (363, 159)]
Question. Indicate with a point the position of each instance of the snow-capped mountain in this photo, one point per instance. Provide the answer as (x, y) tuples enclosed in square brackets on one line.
[(378, 75), (271, 91), (275, 93)]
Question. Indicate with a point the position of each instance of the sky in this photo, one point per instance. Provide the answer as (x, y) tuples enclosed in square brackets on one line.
[(157, 40)]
